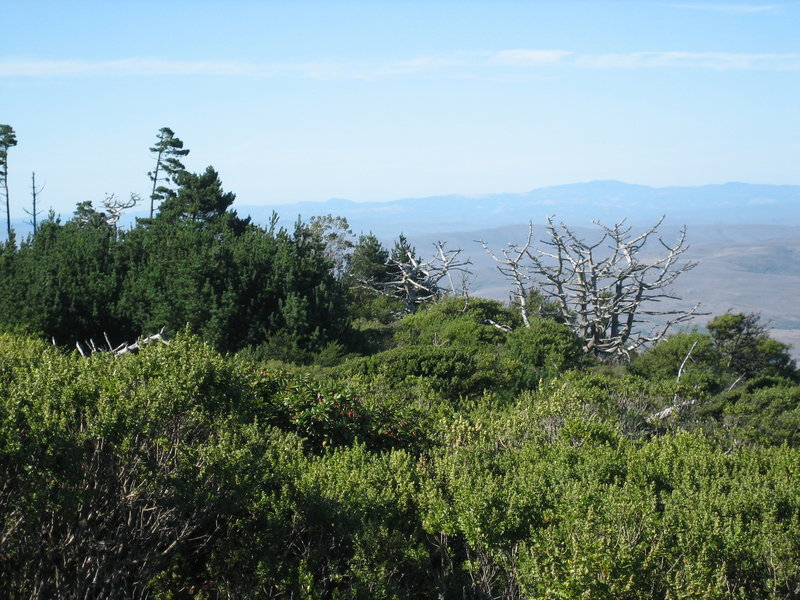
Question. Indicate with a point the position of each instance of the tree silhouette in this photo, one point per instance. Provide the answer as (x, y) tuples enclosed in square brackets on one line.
[(168, 150), (7, 139)]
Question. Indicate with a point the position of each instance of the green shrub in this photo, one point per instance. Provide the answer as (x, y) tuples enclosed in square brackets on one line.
[(543, 350), (758, 413), (460, 322), (702, 363), (452, 372), (330, 413)]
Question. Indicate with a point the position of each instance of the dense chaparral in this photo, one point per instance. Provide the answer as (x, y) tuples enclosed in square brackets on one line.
[(307, 431)]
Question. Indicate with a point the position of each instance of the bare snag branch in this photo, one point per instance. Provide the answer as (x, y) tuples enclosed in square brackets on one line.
[(604, 289), (417, 281)]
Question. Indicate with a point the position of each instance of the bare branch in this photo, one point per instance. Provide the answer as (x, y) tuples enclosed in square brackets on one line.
[(603, 288), (685, 360), (417, 282), (115, 207), (511, 265)]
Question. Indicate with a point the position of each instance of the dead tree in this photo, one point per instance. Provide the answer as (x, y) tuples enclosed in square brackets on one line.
[(115, 208), (122, 349), (34, 213), (416, 282), (604, 289), (337, 236), (514, 266)]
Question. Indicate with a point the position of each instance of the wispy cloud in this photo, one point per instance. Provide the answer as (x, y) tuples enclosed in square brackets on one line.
[(458, 64), (692, 60), (527, 58), (735, 9), (123, 67)]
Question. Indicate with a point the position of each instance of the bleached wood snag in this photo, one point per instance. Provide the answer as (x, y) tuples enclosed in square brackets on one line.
[(415, 281), (513, 267), (115, 207), (124, 348), (605, 290)]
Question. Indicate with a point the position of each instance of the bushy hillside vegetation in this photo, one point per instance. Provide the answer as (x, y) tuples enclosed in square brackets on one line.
[(181, 473), (304, 436)]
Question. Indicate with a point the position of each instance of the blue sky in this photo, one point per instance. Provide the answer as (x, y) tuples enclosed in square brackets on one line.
[(295, 101)]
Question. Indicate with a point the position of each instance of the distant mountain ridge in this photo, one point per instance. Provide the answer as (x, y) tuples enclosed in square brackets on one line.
[(576, 204)]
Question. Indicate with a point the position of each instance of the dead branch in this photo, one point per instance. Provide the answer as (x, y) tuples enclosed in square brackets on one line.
[(604, 289), (417, 282), (124, 348), (115, 207), (512, 267)]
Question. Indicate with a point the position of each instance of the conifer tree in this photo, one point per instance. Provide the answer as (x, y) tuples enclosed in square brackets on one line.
[(368, 262), (168, 151), (7, 139)]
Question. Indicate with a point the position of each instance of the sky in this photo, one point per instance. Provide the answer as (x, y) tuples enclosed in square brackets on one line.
[(375, 101)]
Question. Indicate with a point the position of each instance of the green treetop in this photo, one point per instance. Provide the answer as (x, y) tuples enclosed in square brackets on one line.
[(168, 150), (7, 139)]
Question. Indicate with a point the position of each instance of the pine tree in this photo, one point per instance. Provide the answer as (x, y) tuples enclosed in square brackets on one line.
[(168, 150), (200, 198), (368, 262), (7, 139)]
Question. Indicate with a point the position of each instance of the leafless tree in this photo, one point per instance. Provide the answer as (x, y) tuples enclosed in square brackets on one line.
[(115, 207), (415, 281), (335, 232), (124, 348), (515, 266), (34, 213), (604, 289)]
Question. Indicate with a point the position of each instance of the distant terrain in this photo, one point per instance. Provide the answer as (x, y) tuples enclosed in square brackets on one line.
[(745, 237), (740, 268), (576, 204)]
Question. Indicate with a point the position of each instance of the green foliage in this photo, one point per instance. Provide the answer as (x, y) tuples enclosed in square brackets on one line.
[(543, 350), (180, 472), (539, 306), (197, 264), (295, 469), (64, 281), (463, 323), (695, 352), (8, 139), (107, 476), (765, 411), (370, 336), (368, 262), (593, 515), (168, 151), (332, 413), (747, 349), (515, 359), (200, 199), (737, 385), (452, 372)]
